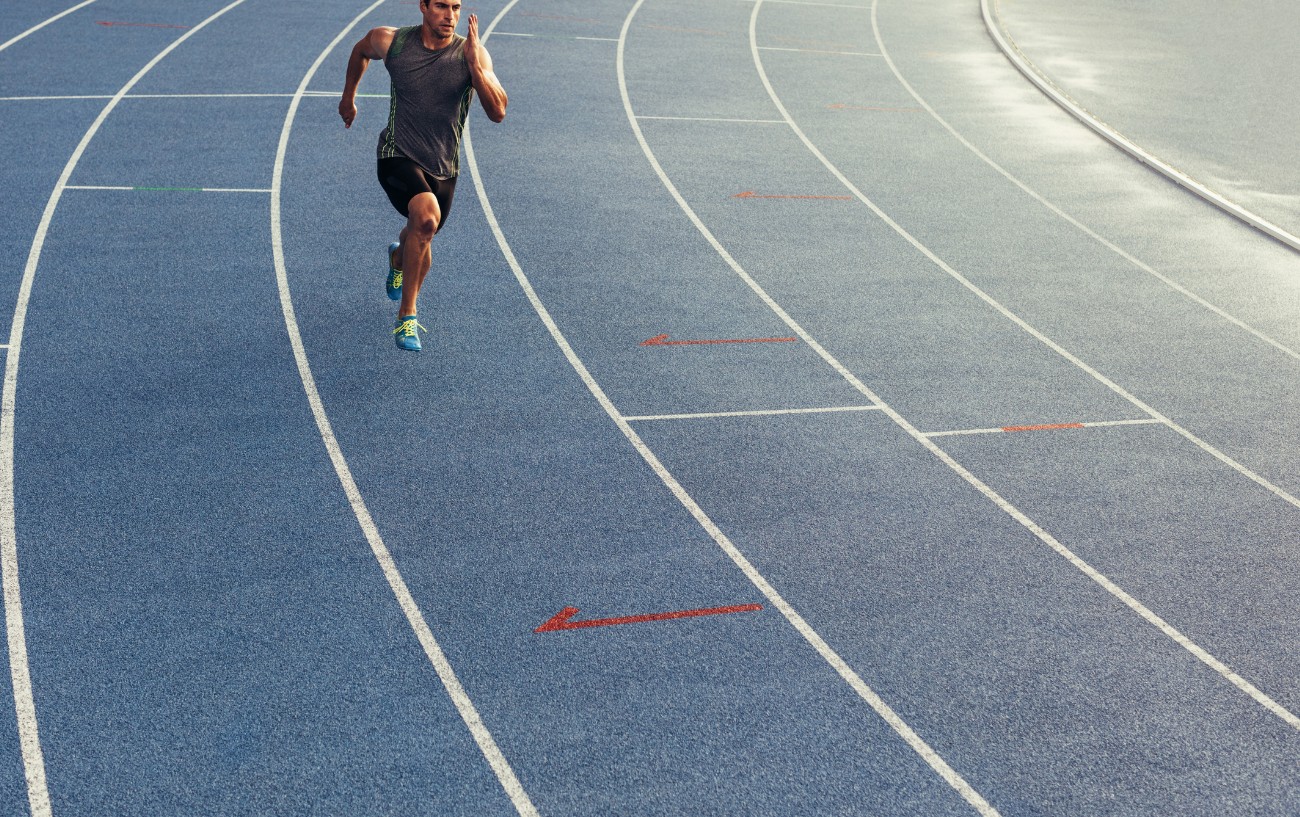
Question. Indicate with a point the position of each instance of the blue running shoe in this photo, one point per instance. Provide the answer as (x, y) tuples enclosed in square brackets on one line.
[(394, 285), (407, 333)]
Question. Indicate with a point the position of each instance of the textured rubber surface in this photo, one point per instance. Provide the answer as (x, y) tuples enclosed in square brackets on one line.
[(975, 386)]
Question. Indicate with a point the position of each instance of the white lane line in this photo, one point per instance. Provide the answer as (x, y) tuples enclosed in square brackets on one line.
[(823, 648), (66, 97), (1083, 228), (1209, 660), (56, 98), (1022, 63), (1043, 427), (1002, 309), (762, 413), (229, 95), (1214, 452), (38, 794), (212, 189), (415, 618), (170, 189), (819, 51), (41, 25), (555, 37), (713, 119), (76, 97), (805, 3), (337, 94)]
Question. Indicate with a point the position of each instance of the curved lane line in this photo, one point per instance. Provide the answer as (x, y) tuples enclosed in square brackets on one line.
[(1057, 95), (1083, 228), (804, 629), (1002, 309), (464, 706), (1132, 603), (39, 26), (38, 794)]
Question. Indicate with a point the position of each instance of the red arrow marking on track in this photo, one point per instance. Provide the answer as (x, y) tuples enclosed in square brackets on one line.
[(143, 25), (1050, 427), (750, 194), (560, 621), (662, 340)]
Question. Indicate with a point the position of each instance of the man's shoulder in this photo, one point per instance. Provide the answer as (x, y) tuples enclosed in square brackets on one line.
[(401, 36)]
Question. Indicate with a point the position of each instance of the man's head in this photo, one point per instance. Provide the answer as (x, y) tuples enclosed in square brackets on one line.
[(441, 16)]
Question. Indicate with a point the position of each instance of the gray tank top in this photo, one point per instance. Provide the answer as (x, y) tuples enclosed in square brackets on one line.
[(428, 103)]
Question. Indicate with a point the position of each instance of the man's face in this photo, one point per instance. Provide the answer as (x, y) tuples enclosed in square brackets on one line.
[(442, 16)]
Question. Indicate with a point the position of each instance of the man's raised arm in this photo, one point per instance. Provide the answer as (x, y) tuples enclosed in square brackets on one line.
[(486, 85), (373, 46)]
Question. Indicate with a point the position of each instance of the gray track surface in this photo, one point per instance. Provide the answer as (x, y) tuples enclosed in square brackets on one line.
[(1208, 87)]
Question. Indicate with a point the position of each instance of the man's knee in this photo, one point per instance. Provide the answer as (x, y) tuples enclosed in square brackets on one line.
[(424, 216)]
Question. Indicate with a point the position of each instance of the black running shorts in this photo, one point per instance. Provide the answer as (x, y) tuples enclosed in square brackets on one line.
[(403, 180)]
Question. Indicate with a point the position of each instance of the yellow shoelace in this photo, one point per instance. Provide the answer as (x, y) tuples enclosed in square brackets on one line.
[(408, 327)]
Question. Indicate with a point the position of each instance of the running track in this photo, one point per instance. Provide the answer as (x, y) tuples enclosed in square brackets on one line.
[(987, 505)]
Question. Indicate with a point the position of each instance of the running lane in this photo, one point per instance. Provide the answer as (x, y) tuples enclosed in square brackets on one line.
[(1206, 546), (39, 136), (506, 494), (18, 19), (208, 631), (48, 104), (1028, 272)]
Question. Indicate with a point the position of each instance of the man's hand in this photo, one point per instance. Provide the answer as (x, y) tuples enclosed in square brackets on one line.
[(347, 110), (473, 48), (490, 93)]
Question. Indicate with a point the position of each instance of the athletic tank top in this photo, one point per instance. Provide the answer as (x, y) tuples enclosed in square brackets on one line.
[(428, 102)]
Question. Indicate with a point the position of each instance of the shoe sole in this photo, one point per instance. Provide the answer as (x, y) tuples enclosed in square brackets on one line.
[(394, 293)]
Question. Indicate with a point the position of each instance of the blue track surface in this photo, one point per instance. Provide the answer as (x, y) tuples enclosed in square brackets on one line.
[(994, 425)]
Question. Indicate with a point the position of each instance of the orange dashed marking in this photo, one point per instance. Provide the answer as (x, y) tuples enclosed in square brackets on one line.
[(1048, 427), (662, 340), (805, 41), (679, 30), (565, 18), (750, 194), (840, 106), (112, 23)]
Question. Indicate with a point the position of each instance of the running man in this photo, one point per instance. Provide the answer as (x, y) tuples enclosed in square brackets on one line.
[(435, 73)]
